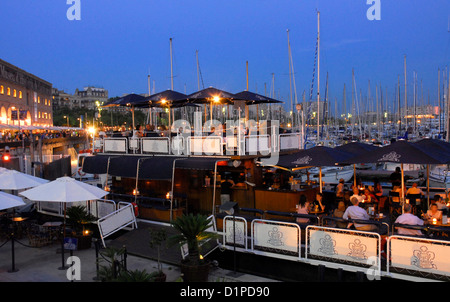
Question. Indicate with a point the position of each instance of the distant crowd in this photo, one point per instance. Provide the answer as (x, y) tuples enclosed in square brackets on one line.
[(26, 135)]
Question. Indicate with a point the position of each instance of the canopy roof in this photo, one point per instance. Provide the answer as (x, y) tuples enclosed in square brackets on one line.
[(150, 167)]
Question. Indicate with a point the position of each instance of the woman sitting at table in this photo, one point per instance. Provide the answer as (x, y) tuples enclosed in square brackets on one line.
[(317, 204), (339, 213), (303, 208), (368, 197), (433, 214)]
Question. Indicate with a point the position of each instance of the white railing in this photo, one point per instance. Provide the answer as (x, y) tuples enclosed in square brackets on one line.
[(117, 145), (409, 258), (202, 145), (117, 220), (419, 257)]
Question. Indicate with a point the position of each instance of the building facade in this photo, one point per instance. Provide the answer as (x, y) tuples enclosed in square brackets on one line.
[(89, 98), (25, 99)]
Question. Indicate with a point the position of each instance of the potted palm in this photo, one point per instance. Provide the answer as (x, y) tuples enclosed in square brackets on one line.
[(192, 230), (157, 237), (79, 218)]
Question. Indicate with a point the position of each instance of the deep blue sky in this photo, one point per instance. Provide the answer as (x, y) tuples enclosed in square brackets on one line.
[(116, 44)]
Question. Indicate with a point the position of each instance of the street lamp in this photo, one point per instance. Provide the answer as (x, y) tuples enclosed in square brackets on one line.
[(67, 117)]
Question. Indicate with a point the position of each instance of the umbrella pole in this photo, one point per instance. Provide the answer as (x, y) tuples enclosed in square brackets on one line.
[(320, 179), (403, 187), (428, 186), (354, 175)]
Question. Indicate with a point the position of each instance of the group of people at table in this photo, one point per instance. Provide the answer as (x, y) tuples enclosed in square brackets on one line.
[(365, 200)]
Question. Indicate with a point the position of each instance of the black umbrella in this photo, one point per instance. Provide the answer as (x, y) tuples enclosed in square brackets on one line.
[(356, 148), (210, 96), (161, 98), (318, 156), (128, 100), (437, 147), (252, 98), (400, 152)]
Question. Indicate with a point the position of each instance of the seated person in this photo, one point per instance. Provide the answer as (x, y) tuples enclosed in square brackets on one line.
[(339, 213), (439, 202), (408, 218), (318, 203), (414, 190), (377, 190), (433, 213), (356, 212), (357, 195), (302, 208), (399, 190), (368, 196), (340, 188)]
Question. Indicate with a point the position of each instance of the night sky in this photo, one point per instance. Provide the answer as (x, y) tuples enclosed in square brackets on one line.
[(117, 44)]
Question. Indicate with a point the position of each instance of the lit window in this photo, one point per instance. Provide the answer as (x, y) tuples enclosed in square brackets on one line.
[(15, 93), (49, 102), (8, 91), (39, 115), (2, 90), (45, 101), (39, 99), (20, 94)]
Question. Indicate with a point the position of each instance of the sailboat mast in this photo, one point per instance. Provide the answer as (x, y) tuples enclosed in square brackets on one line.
[(171, 66), (318, 76), (406, 99)]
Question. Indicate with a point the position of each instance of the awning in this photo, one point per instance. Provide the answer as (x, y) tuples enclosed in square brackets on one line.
[(157, 167), (198, 163), (97, 164), (150, 167), (123, 166)]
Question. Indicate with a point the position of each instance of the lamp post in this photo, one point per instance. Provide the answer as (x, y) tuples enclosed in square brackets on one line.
[(67, 118)]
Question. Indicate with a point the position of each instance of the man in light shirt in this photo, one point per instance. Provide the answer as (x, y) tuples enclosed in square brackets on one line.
[(408, 218), (358, 213), (414, 190)]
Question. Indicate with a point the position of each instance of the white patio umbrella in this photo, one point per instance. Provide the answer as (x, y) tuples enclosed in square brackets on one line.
[(15, 180), (64, 189), (8, 201)]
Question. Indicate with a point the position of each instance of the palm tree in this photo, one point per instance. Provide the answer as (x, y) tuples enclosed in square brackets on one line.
[(192, 230)]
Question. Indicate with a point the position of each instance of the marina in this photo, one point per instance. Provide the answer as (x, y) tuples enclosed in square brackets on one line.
[(244, 179)]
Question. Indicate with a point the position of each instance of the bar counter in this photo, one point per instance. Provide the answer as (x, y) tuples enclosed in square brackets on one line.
[(282, 200)]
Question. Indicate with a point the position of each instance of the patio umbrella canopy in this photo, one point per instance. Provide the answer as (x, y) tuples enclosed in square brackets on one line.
[(127, 100), (15, 180), (436, 147), (252, 98), (356, 148), (156, 99), (318, 156), (401, 152), (64, 189), (8, 201), (208, 95)]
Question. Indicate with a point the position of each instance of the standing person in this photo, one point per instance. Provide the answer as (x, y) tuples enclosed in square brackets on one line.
[(340, 188), (225, 190), (396, 178)]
